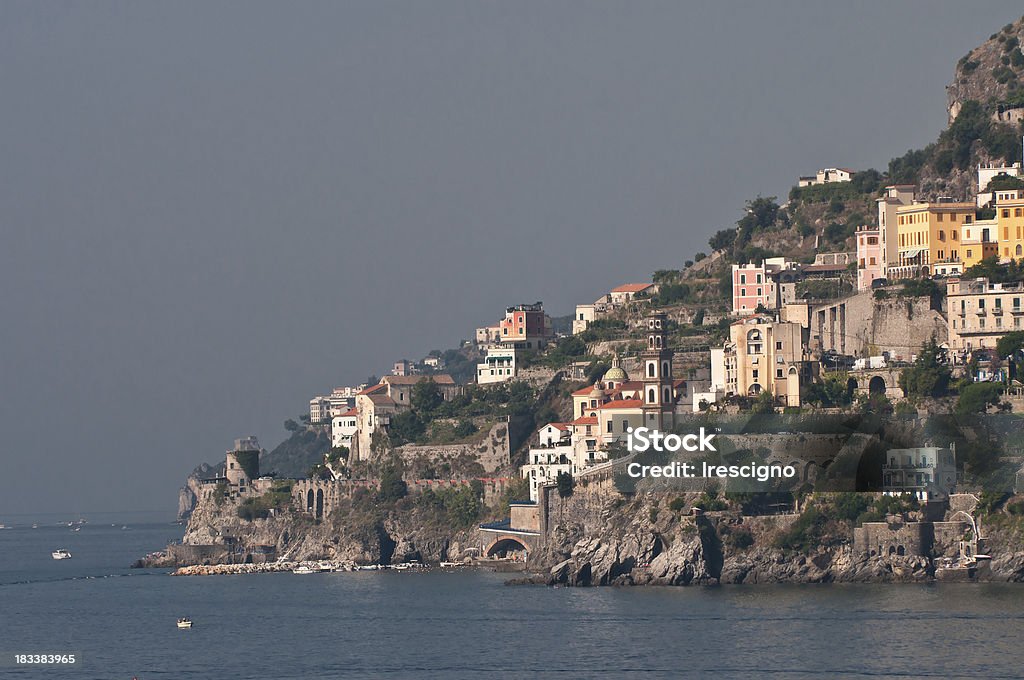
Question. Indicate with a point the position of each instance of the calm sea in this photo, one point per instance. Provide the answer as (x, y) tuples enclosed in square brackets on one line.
[(469, 625)]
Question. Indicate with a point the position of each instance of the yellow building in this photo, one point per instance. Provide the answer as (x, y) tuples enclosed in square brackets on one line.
[(978, 241), (929, 238), (1010, 217)]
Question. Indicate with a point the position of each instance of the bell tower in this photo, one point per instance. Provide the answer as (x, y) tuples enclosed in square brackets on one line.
[(659, 393)]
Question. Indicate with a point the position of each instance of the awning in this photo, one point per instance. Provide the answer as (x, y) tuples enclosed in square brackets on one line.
[(910, 254)]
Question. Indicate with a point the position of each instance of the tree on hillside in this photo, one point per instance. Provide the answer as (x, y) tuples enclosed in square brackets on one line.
[(928, 377), (566, 484), (990, 269), (291, 425), (977, 397), (722, 239), (1010, 344), (426, 396)]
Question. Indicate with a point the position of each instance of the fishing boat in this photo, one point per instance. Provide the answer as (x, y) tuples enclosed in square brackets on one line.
[(61, 554), (184, 623)]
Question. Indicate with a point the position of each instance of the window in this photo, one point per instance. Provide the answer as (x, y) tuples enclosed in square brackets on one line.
[(981, 303), (999, 303), (610, 427), (743, 278), (778, 373), (1016, 212), (939, 218), (952, 235), (1006, 212), (778, 346), (968, 219), (754, 374)]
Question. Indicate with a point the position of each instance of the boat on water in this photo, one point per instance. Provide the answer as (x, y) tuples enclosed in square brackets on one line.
[(368, 567), (61, 554), (449, 565), (184, 623), (303, 569), (402, 567)]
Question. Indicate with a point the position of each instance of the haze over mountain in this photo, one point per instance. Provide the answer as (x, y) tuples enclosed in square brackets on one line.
[(213, 211)]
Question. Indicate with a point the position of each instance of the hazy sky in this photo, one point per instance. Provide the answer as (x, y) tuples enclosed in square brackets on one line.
[(213, 211)]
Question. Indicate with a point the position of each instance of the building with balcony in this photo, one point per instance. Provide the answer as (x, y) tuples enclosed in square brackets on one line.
[(893, 197), (826, 176), (978, 241), (929, 238), (766, 355), (928, 472), (1010, 220), (980, 312)]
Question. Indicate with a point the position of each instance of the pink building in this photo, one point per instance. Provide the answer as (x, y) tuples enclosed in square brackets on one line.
[(870, 261), (752, 285)]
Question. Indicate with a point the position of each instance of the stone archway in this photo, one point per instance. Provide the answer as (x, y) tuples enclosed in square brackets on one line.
[(309, 500), (505, 546), (877, 385), (319, 503)]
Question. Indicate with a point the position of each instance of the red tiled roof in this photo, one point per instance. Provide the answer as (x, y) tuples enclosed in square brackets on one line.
[(589, 420), (351, 413), (374, 388), (632, 287), (558, 426), (583, 392), (622, 403)]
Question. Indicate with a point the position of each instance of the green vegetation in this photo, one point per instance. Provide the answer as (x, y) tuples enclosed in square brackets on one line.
[(260, 507), (927, 377), (566, 484), (392, 486), (461, 507), (1010, 344), (831, 392), (990, 269), (977, 397)]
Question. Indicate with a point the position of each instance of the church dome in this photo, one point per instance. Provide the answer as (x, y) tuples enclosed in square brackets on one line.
[(615, 375)]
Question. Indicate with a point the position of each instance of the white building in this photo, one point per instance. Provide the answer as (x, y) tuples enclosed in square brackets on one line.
[(343, 428), (561, 448), (987, 173), (826, 176), (498, 365), (319, 409), (928, 472)]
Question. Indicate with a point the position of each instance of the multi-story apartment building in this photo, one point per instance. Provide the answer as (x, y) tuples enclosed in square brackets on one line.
[(978, 241), (929, 238), (499, 365), (893, 196), (981, 312), (319, 409), (766, 355), (928, 472), (755, 285), (987, 173), (343, 428), (1010, 218), (869, 256), (526, 327)]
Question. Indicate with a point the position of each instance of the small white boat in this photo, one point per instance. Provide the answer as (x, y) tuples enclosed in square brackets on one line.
[(449, 565), (402, 567), (184, 623), (303, 569), (61, 554)]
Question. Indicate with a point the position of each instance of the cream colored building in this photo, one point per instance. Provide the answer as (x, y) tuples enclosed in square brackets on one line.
[(893, 196), (981, 312), (1010, 218), (765, 355)]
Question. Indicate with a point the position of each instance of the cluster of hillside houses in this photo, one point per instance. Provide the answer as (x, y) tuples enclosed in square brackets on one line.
[(779, 342)]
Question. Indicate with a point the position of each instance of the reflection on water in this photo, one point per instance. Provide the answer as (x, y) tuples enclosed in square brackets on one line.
[(469, 625)]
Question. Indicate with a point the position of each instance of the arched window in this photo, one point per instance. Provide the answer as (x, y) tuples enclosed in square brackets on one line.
[(650, 370), (652, 396), (668, 395), (664, 368), (1020, 250)]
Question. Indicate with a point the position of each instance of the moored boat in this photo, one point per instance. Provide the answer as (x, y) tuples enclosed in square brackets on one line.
[(184, 623), (61, 554)]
